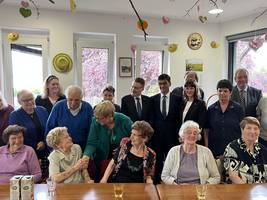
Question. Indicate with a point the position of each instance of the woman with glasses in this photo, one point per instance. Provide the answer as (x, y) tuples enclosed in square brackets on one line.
[(106, 131), (52, 93), (33, 118), (133, 161)]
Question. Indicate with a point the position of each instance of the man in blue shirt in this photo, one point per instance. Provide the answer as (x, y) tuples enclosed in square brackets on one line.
[(74, 114)]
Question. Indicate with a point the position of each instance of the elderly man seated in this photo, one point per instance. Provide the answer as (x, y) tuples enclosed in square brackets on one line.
[(66, 165), (245, 160)]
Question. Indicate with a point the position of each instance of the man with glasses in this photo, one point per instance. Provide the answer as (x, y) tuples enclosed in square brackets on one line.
[(135, 105)]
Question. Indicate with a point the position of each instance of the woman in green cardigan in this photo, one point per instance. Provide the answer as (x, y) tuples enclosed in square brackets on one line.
[(106, 131)]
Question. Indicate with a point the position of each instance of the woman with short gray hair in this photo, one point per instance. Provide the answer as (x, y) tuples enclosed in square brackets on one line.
[(66, 165), (190, 163)]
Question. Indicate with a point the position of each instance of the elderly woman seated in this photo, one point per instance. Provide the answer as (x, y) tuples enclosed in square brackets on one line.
[(133, 161), (17, 158), (190, 163), (245, 160), (66, 165)]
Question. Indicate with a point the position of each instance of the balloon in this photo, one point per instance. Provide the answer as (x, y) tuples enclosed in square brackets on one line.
[(165, 19), (13, 36), (24, 4), (133, 48), (172, 47)]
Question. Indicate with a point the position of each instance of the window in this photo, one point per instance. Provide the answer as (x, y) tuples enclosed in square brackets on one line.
[(152, 59), (249, 51), (96, 58), (25, 61)]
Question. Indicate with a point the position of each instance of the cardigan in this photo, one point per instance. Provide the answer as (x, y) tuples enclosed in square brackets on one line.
[(4, 115), (207, 168)]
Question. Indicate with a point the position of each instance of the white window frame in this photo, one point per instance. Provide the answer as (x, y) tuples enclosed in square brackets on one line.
[(25, 37), (95, 40)]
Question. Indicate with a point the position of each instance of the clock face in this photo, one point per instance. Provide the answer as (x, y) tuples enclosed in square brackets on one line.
[(194, 41)]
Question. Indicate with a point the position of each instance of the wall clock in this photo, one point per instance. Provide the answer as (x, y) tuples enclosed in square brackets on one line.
[(194, 41)]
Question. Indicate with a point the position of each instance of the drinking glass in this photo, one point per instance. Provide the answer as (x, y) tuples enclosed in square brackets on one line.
[(118, 190), (51, 186), (201, 191)]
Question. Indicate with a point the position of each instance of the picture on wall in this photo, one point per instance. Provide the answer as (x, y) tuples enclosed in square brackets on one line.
[(194, 65), (125, 67)]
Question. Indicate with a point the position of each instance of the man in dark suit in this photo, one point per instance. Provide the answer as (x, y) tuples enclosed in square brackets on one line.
[(189, 75), (248, 97), (135, 105), (167, 119)]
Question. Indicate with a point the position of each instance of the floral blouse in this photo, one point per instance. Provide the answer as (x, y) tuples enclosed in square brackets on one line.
[(251, 167), (149, 158)]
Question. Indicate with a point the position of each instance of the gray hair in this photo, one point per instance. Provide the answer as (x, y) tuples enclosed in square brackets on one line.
[(22, 92), (189, 124), (53, 137), (5, 104), (73, 88)]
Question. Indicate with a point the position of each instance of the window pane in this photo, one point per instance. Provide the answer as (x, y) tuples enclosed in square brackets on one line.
[(150, 69), (94, 73), (27, 69), (254, 60)]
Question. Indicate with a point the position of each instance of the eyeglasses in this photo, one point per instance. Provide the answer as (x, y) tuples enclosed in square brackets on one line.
[(27, 100)]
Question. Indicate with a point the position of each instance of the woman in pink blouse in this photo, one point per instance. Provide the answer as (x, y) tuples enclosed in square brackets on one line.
[(17, 158)]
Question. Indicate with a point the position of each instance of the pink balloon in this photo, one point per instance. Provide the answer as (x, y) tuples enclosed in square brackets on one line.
[(165, 19), (133, 48)]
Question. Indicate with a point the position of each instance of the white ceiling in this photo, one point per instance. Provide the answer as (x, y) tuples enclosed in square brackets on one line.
[(157, 8)]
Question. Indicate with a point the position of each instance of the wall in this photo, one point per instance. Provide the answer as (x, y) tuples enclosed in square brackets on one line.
[(62, 25)]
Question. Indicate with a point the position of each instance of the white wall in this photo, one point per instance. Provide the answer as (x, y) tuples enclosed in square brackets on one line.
[(62, 25)]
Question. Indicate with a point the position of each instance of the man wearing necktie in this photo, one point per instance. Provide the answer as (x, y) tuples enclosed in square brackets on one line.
[(167, 119), (248, 97), (135, 105)]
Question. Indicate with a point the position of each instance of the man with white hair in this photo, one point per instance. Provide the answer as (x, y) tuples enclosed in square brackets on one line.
[(74, 114)]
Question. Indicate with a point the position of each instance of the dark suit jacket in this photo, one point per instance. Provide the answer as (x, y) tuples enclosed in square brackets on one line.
[(166, 130), (128, 107), (197, 112), (179, 91), (253, 97)]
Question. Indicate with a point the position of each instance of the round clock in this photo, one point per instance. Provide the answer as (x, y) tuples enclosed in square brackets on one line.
[(194, 41)]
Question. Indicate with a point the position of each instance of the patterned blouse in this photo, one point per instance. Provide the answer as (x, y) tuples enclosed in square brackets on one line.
[(251, 167), (149, 158)]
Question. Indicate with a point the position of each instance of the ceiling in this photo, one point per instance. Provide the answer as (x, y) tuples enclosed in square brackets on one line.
[(174, 9)]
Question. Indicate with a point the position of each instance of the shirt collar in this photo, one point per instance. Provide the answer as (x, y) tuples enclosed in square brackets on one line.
[(245, 90), (6, 150), (61, 155), (76, 110), (167, 95)]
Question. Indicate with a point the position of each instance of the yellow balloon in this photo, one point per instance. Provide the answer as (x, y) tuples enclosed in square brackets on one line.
[(13, 36), (214, 45), (172, 47)]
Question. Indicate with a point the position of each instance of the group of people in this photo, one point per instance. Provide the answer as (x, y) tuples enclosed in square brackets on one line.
[(171, 137)]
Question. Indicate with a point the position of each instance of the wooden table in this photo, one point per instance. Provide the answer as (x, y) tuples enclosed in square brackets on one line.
[(89, 192), (214, 192)]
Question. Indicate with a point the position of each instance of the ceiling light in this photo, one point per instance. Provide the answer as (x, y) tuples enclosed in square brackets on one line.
[(215, 11)]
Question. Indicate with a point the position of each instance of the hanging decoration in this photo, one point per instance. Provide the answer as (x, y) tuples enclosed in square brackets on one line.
[(133, 48), (214, 45), (142, 24), (172, 47), (139, 19), (203, 19), (72, 5), (25, 10), (12, 36), (165, 19), (256, 43)]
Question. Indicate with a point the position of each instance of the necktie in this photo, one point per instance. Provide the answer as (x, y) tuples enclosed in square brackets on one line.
[(164, 112), (138, 106), (242, 99)]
